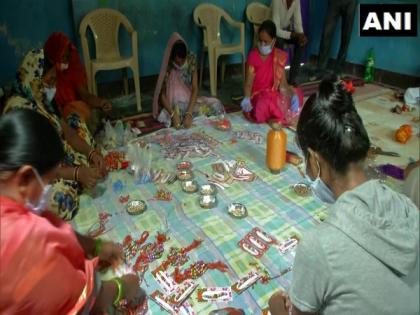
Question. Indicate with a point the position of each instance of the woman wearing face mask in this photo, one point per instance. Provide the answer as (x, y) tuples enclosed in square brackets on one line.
[(83, 166), (268, 97), (364, 258), (46, 268), (73, 98), (177, 88)]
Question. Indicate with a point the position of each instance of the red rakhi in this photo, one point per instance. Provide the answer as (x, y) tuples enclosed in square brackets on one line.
[(162, 195), (197, 269), (178, 256), (132, 247), (115, 161), (150, 252)]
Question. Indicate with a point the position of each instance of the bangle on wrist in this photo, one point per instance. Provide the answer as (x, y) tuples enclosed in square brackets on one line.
[(120, 293), (91, 153), (188, 113), (76, 174), (98, 246)]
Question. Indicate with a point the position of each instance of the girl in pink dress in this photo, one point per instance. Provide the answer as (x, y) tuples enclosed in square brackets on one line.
[(177, 89), (268, 97)]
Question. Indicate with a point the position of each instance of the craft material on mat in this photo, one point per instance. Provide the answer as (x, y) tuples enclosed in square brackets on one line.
[(256, 242), (197, 269), (254, 137), (245, 282), (99, 228), (392, 170), (191, 145), (288, 245), (115, 160), (162, 195), (227, 171), (215, 294), (177, 257), (150, 252), (165, 303), (267, 197)]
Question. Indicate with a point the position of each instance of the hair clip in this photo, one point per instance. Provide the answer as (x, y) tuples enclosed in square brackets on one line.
[(348, 128)]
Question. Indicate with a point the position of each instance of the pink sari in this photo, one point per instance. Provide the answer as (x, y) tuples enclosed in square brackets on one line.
[(270, 100)]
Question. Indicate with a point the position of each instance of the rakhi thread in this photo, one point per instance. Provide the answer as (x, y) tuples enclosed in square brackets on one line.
[(197, 269), (178, 256)]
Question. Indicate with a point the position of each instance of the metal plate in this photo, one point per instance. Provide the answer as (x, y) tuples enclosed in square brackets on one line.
[(208, 189), (302, 189), (238, 210), (189, 186), (185, 175), (136, 207), (208, 201)]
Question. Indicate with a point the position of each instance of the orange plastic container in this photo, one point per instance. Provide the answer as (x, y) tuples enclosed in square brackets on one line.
[(276, 149)]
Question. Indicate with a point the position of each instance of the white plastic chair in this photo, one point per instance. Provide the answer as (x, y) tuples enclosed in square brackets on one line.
[(105, 24), (208, 17), (257, 13)]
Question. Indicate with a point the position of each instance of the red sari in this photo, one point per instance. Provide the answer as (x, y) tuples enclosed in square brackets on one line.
[(43, 267), (269, 102), (68, 81)]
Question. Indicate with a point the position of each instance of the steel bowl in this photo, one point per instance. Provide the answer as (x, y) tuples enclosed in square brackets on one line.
[(208, 189), (302, 189), (136, 207), (189, 186), (184, 165), (238, 210), (185, 175), (208, 201)]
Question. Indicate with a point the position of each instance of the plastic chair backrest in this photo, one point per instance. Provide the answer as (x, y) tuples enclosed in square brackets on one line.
[(257, 13), (105, 24), (208, 17)]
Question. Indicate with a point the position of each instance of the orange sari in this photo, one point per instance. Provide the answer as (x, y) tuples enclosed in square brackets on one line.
[(43, 267)]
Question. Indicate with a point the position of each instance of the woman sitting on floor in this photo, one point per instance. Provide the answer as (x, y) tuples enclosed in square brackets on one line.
[(268, 97), (46, 268), (364, 258), (73, 98), (177, 88), (82, 165)]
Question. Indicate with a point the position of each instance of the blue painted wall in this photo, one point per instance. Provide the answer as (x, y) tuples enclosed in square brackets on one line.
[(27, 23), (397, 54)]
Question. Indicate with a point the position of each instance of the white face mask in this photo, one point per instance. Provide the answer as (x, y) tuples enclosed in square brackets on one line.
[(265, 49), (50, 93), (64, 66), (44, 199), (319, 188)]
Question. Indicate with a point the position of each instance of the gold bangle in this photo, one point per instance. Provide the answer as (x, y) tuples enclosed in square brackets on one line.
[(120, 293), (188, 113)]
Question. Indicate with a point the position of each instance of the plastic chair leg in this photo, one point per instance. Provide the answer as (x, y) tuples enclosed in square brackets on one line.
[(125, 80), (213, 72), (94, 86), (137, 88)]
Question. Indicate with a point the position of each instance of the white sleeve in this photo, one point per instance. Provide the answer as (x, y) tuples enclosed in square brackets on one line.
[(311, 274), (297, 18), (276, 7)]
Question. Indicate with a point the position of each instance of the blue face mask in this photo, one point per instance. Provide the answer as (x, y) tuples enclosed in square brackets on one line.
[(319, 188), (265, 49), (44, 199)]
